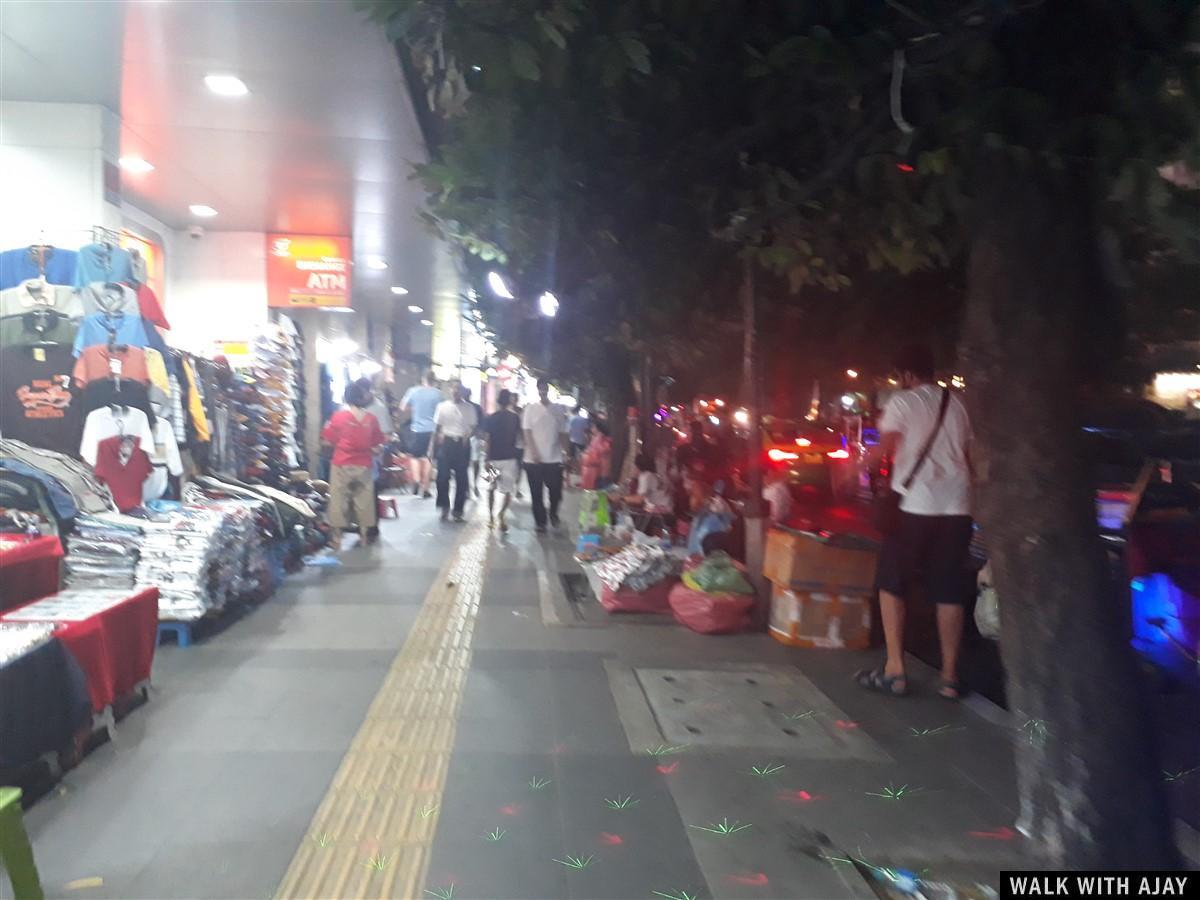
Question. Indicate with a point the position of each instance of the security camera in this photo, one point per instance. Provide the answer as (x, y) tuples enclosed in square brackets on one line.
[(195, 232)]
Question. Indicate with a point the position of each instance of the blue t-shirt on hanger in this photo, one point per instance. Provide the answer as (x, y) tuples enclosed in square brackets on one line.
[(21, 265), (127, 329), (102, 262)]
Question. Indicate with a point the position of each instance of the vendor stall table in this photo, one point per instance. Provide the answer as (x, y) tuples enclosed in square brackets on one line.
[(28, 568), (111, 634), (43, 703)]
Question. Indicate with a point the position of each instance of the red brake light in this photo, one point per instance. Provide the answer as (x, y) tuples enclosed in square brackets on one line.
[(777, 455), (841, 453)]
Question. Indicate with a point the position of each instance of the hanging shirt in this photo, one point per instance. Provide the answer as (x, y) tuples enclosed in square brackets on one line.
[(165, 459), (160, 384), (196, 405), (110, 298), (58, 266), (36, 403), (119, 391), (36, 327), (138, 264), (99, 362), (151, 310), (124, 466), (125, 329), (353, 436), (36, 293), (102, 262), (107, 422), (177, 418)]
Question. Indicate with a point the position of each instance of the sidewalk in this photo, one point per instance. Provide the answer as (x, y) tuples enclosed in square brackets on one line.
[(608, 757)]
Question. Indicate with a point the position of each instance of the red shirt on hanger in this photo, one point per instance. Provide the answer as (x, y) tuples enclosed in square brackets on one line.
[(123, 472), (151, 309)]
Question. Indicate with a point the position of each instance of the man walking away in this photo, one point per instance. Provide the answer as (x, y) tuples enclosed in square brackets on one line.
[(502, 429), (454, 423), (421, 401), (577, 432), (925, 431), (545, 430)]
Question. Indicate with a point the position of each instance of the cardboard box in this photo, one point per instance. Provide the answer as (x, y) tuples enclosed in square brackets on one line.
[(819, 619), (802, 561)]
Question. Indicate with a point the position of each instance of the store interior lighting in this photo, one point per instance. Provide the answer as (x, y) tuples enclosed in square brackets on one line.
[(399, 291), (336, 349), (428, 323), (378, 263), (499, 288), (226, 85), (548, 305), (202, 210), (135, 164)]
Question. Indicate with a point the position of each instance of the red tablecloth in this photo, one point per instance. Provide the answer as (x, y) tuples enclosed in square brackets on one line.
[(28, 569), (115, 648)]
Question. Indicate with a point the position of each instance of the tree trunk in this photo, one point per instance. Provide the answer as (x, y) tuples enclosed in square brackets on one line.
[(755, 526), (1091, 791)]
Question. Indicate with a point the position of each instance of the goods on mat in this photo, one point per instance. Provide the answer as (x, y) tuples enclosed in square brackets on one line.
[(103, 552), (820, 561), (651, 600), (18, 638), (819, 619), (719, 613), (635, 568), (68, 606)]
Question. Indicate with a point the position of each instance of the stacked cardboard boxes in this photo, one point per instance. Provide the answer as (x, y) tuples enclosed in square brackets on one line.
[(821, 588)]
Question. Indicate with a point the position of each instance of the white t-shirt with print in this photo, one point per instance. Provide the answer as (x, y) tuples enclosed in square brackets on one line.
[(943, 484), (547, 422)]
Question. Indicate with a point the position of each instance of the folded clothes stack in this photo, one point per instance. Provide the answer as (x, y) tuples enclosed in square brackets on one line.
[(182, 557), (69, 606), (102, 553), (18, 638)]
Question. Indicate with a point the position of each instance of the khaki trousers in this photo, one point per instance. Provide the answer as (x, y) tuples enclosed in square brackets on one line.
[(352, 485)]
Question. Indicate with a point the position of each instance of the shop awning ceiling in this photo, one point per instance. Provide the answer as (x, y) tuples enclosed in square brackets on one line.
[(321, 144)]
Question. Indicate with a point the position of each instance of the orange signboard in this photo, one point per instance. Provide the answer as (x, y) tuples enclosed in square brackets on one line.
[(308, 270)]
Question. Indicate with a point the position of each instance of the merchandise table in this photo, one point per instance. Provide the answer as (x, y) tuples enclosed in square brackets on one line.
[(43, 703), (28, 568), (114, 645)]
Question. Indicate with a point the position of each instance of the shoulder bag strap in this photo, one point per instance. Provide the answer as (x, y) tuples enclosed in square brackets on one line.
[(937, 426)]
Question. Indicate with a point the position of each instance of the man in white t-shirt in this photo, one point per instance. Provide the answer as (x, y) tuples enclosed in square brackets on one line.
[(929, 546), (454, 420), (545, 427)]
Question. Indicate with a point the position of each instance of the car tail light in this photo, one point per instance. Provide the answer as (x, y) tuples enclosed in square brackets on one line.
[(777, 455), (841, 453)]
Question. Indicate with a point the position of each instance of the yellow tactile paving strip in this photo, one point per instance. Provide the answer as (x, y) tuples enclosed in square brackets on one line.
[(372, 834)]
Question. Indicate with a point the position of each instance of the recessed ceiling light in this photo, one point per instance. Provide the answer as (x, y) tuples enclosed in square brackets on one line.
[(416, 309), (426, 322), (226, 85), (204, 212), (399, 291), (135, 164), (341, 309), (376, 262)]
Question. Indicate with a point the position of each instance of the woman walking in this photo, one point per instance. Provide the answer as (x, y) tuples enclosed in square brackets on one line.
[(355, 436)]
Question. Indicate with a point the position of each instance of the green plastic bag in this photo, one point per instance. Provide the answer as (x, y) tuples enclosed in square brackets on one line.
[(593, 511), (717, 574)]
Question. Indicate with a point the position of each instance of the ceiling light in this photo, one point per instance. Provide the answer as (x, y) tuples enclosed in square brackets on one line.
[(413, 308), (204, 212), (399, 291), (226, 85), (427, 323), (548, 305), (378, 263), (499, 288), (135, 164), (341, 309)]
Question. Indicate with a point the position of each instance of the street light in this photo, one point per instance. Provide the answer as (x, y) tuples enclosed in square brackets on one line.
[(499, 288), (548, 305)]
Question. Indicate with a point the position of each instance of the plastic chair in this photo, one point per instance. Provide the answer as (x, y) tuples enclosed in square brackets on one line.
[(15, 851)]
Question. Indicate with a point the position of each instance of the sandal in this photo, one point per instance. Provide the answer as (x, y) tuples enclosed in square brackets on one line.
[(876, 680), (950, 690)]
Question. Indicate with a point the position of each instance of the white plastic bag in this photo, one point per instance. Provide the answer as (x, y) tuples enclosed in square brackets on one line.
[(987, 606)]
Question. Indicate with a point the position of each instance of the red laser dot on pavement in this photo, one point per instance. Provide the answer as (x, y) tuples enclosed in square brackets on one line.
[(511, 810), (757, 879), (842, 723), (999, 834), (905, 167), (668, 769), (611, 840), (797, 796)]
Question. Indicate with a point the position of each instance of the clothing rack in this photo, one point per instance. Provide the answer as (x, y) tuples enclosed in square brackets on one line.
[(102, 235)]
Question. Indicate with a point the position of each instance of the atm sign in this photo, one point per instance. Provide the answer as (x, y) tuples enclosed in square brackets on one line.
[(307, 270)]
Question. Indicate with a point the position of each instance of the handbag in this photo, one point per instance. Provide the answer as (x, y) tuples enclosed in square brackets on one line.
[(886, 514)]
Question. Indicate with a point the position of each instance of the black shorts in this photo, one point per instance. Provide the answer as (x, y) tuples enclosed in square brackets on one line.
[(929, 551), (418, 442)]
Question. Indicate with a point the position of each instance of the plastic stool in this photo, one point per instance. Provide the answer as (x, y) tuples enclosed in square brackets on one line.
[(386, 503), (15, 851), (181, 630)]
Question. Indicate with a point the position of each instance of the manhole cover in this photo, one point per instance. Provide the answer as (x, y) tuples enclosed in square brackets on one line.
[(762, 707)]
